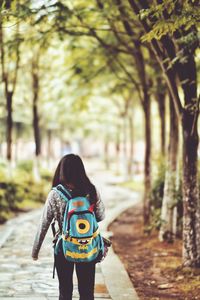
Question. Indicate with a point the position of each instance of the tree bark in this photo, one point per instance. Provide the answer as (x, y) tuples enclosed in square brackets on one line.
[(131, 152), (49, 143), (118, 147), (147, 164), (161, 95), (36, 127), (106, 153), (169, 200), (191, 205), (9, 87), (191, 238), (125, 146), (9, 125)]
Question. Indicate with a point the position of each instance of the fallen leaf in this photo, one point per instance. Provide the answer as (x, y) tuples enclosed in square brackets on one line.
[(165, 286)]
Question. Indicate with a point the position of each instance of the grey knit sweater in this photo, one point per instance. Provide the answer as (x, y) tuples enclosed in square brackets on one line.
[(54, 209)]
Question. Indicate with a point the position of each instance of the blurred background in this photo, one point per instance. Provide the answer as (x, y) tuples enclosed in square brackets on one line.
[(116, 82), (84, 77)]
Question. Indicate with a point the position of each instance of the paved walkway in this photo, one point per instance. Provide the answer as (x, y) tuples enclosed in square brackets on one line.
[(21, 278)]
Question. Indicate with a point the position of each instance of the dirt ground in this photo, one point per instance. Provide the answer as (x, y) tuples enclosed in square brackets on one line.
[(154, 267)]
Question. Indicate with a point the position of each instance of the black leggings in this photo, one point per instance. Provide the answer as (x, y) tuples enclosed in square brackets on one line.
[(86, 278)]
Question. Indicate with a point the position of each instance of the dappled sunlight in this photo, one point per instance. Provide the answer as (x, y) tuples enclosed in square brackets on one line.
[(116, 83)]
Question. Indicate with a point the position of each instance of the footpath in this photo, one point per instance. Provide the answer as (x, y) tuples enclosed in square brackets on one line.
[(21, 278)]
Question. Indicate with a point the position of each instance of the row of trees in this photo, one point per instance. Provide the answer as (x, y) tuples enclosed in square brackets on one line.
[(144, 51)]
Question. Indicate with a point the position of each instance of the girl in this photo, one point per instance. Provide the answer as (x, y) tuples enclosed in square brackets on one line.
[(70, 172)]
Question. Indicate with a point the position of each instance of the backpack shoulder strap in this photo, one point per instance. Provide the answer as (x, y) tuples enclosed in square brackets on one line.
[(63, 192)]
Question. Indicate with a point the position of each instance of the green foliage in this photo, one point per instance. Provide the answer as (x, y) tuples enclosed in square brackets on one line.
[(156, 198), (21, 192), (135, 185), (179, 16), (25, 165), (46, 175)]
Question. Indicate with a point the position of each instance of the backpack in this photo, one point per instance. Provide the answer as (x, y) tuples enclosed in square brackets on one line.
[(81, 240)]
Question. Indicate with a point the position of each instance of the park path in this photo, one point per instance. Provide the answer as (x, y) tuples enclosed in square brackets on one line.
[(21, 278)]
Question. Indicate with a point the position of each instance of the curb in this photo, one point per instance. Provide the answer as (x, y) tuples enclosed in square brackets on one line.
[(116, 277), (5, 233)]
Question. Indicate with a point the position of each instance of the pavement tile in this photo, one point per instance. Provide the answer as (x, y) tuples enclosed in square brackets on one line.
[(21, 278)]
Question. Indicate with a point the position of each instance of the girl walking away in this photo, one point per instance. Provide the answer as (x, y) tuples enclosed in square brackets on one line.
[(76, 206)]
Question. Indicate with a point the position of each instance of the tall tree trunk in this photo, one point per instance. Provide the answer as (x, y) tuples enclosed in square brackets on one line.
[(49, 143), (106, 153), (160, 95), (147, 165), (36, 128), (131, 152), (9, 96), (125, 147), (49, 147), (169, 201), (9, 85), (191, 216), (118, 147)]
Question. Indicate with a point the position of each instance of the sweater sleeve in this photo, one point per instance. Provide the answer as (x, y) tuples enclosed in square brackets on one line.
[(45, 221), (99, 208)]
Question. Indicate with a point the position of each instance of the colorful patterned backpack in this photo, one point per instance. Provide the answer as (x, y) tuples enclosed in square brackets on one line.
[(81, 239)]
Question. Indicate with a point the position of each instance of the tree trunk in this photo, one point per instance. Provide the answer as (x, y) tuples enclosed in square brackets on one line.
[(162, 123), (106, 153), (125, 148), (161, 94), (9, 86), (49, 147), (191, 217), (49, 143), (169, 201), (9, 97), (36, 128), (118, 148), (191, 202), (131, 153), (147, 164)]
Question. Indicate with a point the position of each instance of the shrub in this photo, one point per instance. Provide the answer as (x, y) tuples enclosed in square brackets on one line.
[(46, 175), (25, 165), (21, 192), (9, 199), (156, 198)]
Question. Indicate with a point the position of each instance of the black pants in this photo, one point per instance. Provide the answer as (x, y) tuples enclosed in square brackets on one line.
[(86, 278)]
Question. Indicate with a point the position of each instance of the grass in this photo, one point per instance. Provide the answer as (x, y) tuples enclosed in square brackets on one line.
[(28, 204), (134, 185)]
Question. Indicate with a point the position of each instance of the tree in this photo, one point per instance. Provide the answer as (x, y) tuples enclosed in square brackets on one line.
[(10, 51), (177, 60), (113, 42), (168, 216)]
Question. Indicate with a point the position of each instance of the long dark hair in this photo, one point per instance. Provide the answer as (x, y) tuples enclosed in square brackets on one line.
[(71, 170)]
